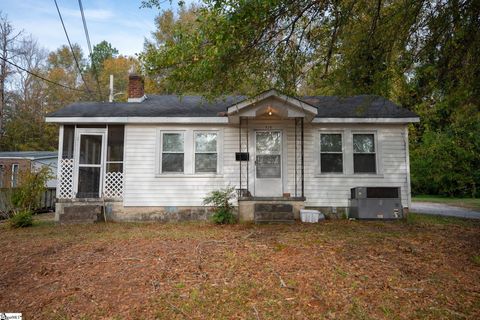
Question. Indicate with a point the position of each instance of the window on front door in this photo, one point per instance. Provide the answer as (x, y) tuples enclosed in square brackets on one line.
[(206, 152), (268, 154), (364, 156), (173, 152), (331, 153)]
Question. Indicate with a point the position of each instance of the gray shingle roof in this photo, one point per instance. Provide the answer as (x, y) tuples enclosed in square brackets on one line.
[(363, 106), (32, 155)]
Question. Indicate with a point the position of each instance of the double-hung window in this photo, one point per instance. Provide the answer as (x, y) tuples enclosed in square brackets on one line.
[(14, 175), (2, 170), (206, 153), (331, 153), (364, 157), (173, 152)]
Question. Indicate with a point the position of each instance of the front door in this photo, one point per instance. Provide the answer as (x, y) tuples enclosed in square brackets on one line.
[(89, 159), (268, 163)]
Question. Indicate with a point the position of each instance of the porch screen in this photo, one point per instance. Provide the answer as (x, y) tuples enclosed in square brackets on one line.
[(68, 139), (115, 148)]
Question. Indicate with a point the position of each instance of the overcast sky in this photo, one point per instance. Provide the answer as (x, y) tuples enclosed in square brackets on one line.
[(120, 22)]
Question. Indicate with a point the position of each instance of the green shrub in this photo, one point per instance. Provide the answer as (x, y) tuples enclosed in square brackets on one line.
[(32, 185), (21, 219), (220, 200), (222, 216)]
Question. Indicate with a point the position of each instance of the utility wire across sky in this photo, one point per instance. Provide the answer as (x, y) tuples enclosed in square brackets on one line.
[(41, 77), (94, 67), (71, 48)]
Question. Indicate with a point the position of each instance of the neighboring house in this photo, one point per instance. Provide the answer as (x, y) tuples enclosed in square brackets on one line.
[(14, 163), (158, 156)]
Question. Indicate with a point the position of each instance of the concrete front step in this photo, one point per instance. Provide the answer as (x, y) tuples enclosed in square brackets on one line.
[(273, 212)]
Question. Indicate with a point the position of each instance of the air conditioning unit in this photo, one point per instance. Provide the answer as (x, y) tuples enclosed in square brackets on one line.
[(375, 203)]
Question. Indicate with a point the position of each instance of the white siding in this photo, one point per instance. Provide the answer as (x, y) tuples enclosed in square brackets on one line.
[(334, 190), (145, 187)]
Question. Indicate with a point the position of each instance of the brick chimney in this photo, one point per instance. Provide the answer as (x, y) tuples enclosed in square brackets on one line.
[(136, 91)]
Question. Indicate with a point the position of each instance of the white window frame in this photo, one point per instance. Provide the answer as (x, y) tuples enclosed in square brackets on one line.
[(376, 152), (320, 152), (217, 151), (160, 152), (12, 184)]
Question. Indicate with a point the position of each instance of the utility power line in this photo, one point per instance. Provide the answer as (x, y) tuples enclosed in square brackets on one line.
[(90, 48), (41, 77), (71, 48)]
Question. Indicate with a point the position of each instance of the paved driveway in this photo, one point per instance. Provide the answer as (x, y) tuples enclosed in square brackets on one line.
[(444, 210)]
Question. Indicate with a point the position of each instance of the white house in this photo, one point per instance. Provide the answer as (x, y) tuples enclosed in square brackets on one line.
[(156, 157)]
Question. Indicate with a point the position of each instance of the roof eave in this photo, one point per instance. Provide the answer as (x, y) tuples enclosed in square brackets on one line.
[(368, 120), (127, 120)]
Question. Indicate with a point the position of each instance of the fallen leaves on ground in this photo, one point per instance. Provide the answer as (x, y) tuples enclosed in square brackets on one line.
[(333, 270)]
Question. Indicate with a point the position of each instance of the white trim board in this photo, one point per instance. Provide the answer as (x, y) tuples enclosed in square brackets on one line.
[(365, 120), (181, 120), (210, 120)]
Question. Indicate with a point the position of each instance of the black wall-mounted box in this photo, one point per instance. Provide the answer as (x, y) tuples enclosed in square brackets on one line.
[(242, 156)]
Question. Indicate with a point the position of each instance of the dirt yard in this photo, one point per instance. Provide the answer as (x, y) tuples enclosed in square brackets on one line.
[(426, 268)]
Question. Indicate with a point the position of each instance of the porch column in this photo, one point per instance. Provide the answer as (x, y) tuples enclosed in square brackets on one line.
[(302, 157), (299, 157), (243, 165)]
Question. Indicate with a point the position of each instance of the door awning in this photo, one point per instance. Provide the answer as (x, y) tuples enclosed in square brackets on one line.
[(273, 104)]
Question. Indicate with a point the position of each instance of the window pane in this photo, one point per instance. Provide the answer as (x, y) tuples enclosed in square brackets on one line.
[(268, 142), (331, 142), (206, 162), (68, 138), (268, 166), (173, 142), (88, 182), (331, 162), (363, 143), (14, 175), (172, 162), (364, 163), (115, 143), (206, 142), (90, 149)]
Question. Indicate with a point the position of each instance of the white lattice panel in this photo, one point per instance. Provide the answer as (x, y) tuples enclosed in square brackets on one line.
[(65, 181), (113, 186)]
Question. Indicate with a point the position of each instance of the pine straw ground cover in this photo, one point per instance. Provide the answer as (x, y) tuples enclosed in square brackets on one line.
[(426, 268)]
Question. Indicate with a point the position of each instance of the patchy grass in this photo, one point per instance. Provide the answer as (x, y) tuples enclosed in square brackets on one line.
[(427, 267), (468, 203)]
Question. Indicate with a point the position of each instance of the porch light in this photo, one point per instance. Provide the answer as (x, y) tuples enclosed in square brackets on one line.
[(269, 113)]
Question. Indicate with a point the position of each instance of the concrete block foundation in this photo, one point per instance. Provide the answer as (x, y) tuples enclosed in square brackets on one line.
[(93, 210)]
